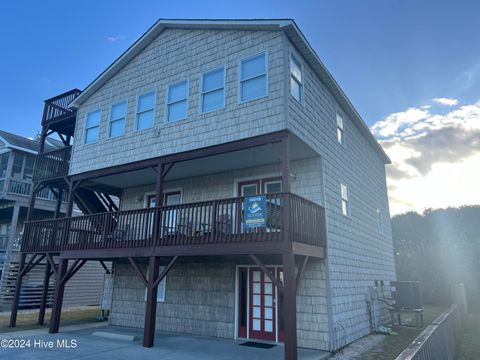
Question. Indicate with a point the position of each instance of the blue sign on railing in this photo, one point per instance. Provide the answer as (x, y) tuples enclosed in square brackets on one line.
[(254, 211)]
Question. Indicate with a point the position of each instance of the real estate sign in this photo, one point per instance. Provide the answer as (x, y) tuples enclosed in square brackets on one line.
[(254, 211)]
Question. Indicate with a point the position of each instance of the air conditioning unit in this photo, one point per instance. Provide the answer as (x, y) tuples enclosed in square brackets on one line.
[(407, 295)]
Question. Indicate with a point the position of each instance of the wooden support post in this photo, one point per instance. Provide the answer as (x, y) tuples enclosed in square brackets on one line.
[(58, 204), (286, 187), (151, 305), (58, 297), (43, 303), (290, 309), (71, 195), (18, 287), (31, 202)]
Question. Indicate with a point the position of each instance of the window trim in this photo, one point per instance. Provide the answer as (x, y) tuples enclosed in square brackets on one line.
[(341, 128), (379, 221), (154, 91), (224, 87), (164, 281), (294, 58), (187, 80), (240, 80), (88, 128), (347, 200), (124, 119)]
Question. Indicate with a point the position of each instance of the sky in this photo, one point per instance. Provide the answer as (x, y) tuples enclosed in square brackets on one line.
[(410, 67)]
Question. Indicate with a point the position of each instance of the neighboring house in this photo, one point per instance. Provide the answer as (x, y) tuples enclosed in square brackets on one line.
[(195, 127), (17, 158)]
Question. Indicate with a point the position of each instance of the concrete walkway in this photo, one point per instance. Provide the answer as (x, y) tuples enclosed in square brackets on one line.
[(84, 345)]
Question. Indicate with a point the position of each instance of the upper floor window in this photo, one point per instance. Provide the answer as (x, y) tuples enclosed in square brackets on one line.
[(296, 79), (92, 127), (117, 119), (213, 90), (145, 111), (340, 129), (177, 101), (379, 220), (253, 77), (345, 200), (4, 164)]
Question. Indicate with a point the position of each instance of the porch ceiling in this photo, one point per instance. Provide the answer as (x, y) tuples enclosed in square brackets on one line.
[(235, 160)]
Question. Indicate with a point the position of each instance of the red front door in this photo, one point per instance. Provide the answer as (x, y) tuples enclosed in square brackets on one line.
[(262, 308)]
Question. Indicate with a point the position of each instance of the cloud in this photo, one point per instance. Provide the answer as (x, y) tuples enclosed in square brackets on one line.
[(445, 101), (435, 157), (116, 38)]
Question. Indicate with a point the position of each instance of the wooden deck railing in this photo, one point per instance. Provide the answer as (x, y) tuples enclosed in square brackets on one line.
[(56, 108), (52, 164), (206, 222)]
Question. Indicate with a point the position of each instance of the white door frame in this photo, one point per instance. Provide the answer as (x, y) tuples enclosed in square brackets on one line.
[(235, 335)]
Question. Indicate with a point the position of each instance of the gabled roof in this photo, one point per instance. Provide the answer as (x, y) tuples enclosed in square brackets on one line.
[(21, 143), (288, 26)]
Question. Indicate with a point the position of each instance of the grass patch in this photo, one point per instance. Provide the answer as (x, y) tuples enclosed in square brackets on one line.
[(27, 320), (470, 346), (393, 345)]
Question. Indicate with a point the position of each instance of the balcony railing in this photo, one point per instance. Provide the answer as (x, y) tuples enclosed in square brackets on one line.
[(24, 187), (56, 108), (52, 164), (200, 223)]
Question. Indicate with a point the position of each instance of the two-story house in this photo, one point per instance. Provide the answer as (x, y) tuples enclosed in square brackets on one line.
[(253, 198)]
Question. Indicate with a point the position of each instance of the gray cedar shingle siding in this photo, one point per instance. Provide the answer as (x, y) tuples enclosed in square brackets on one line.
[(358, 253), (173, 56)]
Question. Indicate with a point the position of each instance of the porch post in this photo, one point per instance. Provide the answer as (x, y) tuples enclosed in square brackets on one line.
[(43, 303), (58, 297), (31, 202), (71, 195), (288, 261), (290, 310), (151, 305), (18, 286), (58, 204), (13, 229)]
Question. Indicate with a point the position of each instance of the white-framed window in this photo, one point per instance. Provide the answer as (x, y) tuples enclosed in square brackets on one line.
[(118, 112), (253, 80), (145, 111), (340, 129), (213, 90), (92, 127), (296, 79), (161, 288), (177, 101), (379, 221), (345, 200)]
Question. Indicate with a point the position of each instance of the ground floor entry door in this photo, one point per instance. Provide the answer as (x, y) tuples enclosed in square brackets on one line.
[(260, 305)]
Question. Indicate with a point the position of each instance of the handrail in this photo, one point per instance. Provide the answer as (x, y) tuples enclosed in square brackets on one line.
[(57, 108), (203, 222), (52, 164)]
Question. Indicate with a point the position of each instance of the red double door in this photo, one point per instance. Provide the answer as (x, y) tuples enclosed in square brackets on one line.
[(259, 304)]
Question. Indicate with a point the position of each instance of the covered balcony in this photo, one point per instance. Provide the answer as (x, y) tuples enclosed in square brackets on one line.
[(201, 228)]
